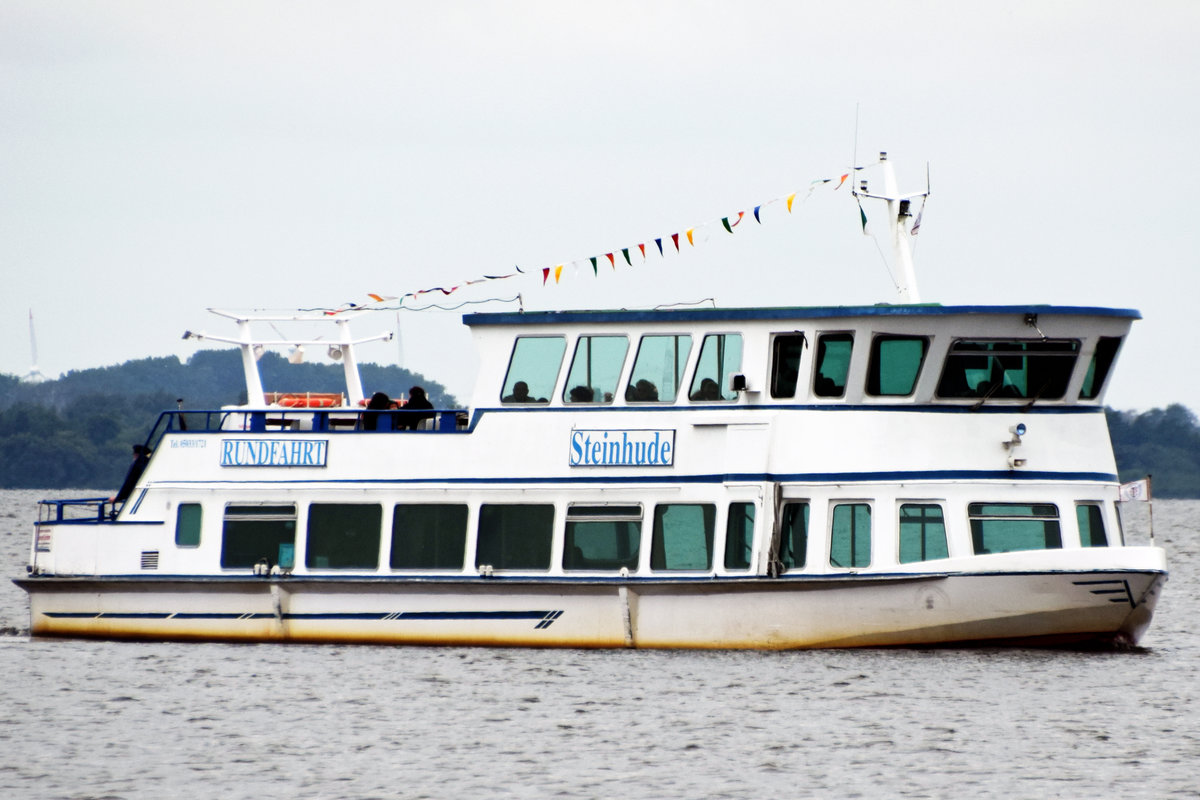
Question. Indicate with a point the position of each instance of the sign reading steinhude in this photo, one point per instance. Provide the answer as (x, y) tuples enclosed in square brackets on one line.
[(273, 452), (622, 448)]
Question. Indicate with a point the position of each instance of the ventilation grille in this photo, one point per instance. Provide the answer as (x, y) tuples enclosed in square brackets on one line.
[(149, 559)]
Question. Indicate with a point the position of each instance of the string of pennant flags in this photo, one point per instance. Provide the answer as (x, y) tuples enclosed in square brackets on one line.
[(644, 248)]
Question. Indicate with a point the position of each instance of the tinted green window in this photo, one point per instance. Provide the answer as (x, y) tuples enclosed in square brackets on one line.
[(785, 369), (258, 533), (720, 357), (533, 369), (895, 364), (1098, 367), (428, 536), (922, 533), (683, 536), (658, 369), (833, 364), (1027, 369), (850, 536), (515, 536), (595, 369), (602, 537), (793, 536), (343, 536), (187, 525), (1008, 527), (1091, 525), (739, 536)]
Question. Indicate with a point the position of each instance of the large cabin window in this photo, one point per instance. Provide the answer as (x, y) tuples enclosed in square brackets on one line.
[(793, 536), (683, 536), (1008, 527), (922, 533), (187, 525), (595, 369), (1091, 525), (720, 357), (833, 364), (515, 536), (428, 536), (785, 366), (602, 537), (1098, 367), (533, 369), (1034, 369), (343, 536), (658, 368), (850, 536), (739, 536), (895, 364), (254, 533)]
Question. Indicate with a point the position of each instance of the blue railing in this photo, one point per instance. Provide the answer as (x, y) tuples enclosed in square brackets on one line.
[(306, 420), (84, 509)]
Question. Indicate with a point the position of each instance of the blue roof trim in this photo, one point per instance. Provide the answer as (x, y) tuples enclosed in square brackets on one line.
[(781, 313)]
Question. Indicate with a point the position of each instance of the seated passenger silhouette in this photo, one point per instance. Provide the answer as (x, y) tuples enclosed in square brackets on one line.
[(520, 394), (378, 402), (708, 390), (582, 394), (642, 392)]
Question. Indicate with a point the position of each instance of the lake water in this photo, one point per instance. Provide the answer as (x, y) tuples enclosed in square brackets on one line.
[(120, 720)]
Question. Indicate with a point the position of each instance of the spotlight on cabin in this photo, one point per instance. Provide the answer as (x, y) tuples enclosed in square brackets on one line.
[(335, 352), (296, 355)]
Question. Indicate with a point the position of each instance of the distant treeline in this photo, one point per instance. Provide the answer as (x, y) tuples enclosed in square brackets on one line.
[(78, 430)]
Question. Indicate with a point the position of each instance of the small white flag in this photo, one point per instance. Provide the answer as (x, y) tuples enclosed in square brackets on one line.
[(1136, 491)]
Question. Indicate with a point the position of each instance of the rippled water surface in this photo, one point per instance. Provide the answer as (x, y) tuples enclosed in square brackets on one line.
[(120, 720)]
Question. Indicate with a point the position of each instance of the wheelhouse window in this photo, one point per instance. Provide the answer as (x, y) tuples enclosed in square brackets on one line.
[(833, 364), (533, 369), (515, 536), (1091, 525), (922, 533), (895, 364), (720, 357), (595, 369), (1098, 367), (683, 536), (258, 533), (343, 536), (1033, 369), (739, 536), (428, 536), (658, 368), (793, 536), (785, 364), (187, 525), (1009, 527), (602, 537), (850, 536)]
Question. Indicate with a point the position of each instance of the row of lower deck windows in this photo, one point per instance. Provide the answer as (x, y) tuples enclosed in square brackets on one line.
[(434, 536)]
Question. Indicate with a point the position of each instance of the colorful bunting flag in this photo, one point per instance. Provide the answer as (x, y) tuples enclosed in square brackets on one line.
[(625, 252)]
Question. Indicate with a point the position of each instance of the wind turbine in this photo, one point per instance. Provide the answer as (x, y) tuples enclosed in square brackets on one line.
[(34, 375)]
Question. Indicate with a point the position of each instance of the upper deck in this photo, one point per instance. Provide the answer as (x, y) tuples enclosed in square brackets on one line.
[(967, 357)]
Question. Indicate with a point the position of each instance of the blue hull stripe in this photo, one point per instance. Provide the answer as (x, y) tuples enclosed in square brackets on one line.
[(544, 618)]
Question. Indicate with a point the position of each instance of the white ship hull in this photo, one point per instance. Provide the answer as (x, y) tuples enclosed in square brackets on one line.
[(785, 613)]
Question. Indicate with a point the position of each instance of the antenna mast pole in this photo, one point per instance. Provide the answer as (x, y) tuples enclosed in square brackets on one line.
[(898, 213)]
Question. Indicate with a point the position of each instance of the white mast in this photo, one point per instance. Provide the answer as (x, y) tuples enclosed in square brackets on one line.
[(34, 375), (898, 214)]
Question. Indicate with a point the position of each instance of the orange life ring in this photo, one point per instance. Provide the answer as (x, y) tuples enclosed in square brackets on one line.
[(305, 400)]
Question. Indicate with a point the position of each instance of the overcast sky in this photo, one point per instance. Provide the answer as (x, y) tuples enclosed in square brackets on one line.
[(157, 159)]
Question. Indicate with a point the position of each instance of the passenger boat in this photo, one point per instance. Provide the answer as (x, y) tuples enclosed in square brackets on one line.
[(784, 477)]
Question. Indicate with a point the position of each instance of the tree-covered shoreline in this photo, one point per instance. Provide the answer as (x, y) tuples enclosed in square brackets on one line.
[(77, 430)]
